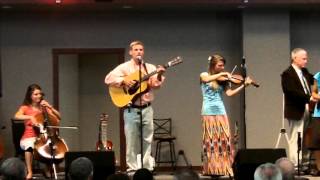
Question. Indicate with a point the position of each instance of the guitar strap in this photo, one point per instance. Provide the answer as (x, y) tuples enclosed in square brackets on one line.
[(145, 67)]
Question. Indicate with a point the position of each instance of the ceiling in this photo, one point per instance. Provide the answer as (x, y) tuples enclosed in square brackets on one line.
[(168, 2), (94, 5)]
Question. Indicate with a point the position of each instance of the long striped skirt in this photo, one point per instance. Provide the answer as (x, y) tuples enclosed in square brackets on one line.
[(218, 152)]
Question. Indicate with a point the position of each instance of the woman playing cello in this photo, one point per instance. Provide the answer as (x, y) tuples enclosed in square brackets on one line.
[(31, 107)]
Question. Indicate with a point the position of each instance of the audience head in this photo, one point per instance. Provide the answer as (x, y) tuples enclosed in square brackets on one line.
[(118, 176), (186, 174), (143, 174), (286, 167), (13, 169), (267, 171), (81, 169)]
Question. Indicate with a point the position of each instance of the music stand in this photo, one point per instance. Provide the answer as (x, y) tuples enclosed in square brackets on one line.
[(282, 130)]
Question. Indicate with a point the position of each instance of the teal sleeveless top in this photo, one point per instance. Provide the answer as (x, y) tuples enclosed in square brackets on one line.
[(212, 103), (316, 112)]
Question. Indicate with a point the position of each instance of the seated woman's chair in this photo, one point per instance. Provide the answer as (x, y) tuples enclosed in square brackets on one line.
[(162, 134), (17, 127)]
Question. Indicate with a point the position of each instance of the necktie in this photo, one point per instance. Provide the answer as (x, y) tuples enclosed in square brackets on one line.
[(305, 84)]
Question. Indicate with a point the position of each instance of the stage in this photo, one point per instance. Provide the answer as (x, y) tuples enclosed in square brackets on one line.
[(166, 176)]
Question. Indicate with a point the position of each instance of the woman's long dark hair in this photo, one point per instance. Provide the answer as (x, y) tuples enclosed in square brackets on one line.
[(31, 88)]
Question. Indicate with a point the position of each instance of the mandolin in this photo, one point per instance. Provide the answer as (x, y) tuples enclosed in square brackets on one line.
[(103, 143), (122, 96)]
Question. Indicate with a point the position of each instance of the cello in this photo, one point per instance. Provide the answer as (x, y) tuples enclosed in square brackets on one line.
[(49, 147)]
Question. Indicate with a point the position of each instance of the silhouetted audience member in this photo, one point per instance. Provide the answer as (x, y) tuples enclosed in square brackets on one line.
[(143, 174), (118, 176), (13, 169), (81, 169), (267, 171), (186, 174), (286, 167)]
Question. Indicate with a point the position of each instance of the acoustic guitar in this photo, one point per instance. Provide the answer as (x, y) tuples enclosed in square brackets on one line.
[(122, 96)]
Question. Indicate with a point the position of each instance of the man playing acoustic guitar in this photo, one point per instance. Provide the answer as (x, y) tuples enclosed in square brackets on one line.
[(125, 79)]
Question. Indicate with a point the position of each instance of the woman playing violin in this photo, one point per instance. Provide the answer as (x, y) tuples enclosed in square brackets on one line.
[(217, 145), (32, 106)]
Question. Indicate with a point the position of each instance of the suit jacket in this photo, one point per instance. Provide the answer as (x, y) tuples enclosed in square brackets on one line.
[(294, 95)]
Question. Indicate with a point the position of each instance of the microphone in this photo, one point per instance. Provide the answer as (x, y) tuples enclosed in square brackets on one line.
[(255, 84), (244, 67), (42, 99), (139, 58), (243, 62)]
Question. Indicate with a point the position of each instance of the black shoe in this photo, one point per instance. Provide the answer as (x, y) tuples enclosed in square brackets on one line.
[(314, 172)]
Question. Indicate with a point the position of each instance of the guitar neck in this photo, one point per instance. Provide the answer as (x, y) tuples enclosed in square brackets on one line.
[(146, 77)]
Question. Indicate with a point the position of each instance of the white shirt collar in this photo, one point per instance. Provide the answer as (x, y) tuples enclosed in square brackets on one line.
[(297, 69)]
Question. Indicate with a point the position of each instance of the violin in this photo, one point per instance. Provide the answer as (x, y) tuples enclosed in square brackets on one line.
[(236, 79)]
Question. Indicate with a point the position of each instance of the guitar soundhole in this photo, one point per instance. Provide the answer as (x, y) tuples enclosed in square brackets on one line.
[(133, 89)]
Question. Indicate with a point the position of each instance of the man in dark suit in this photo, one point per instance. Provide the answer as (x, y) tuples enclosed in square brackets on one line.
[(296, 84)]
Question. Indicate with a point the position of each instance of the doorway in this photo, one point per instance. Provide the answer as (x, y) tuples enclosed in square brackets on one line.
[(81, 96)]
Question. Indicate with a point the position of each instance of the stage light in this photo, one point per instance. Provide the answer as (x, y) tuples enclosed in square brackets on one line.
[(58, 1)]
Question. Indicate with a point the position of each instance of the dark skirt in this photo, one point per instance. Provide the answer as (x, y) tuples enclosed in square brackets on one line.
[(311, 138)]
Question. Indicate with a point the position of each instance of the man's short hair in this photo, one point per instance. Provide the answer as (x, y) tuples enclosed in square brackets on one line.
[(287, 168), (81, 169), (267, 171), (295, 51), (14, 169), (133, 43)]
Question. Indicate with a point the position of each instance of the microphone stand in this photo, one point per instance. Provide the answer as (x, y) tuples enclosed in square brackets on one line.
[(244, 71), (299, 141), (51, 144), (298, 151), (140, 112)]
